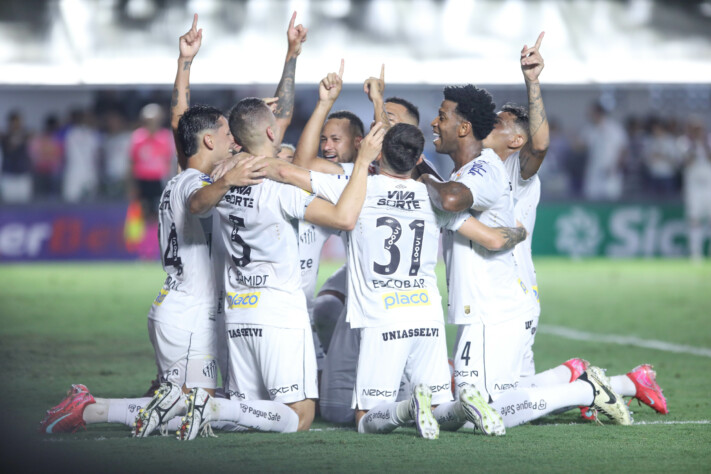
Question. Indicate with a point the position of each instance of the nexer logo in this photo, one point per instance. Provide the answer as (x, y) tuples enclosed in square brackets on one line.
[(242, 300), (399, 299)]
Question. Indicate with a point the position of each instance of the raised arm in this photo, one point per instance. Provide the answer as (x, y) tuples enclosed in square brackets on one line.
[(306, 154), (284, 111), (533, 152), (448, 196), (189, 45), (374, 88), (492, 238), (247, 171), (344, 214)]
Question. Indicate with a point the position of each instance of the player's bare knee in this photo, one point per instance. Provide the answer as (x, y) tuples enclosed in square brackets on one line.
[(306, 410)]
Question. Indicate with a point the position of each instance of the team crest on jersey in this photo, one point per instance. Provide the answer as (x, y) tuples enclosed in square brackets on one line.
[(467, 309), (205, 180), (243, 300), (399, 299), (161, 296)]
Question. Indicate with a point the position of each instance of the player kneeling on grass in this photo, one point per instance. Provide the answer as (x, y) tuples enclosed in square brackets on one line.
[(272, 366), (181, 319), (393, 299)]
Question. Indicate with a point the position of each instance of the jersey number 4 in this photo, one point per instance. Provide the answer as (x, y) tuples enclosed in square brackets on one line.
[(171, 257), (389, 268), (238, 222)]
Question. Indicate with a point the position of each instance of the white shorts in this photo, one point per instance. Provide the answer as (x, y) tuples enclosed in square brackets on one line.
[(184, 357), (386, 353), (697, 203), (270, 363), (490, 356), (337, 282), (528, 366), (338, 377)]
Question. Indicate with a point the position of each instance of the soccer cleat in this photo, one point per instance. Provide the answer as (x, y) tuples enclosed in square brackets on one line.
[(577, 366), (67, 416), (648, 391), (155, 385), (480, 413), (421, 412), (162, 407), (198, 417), (606, 400)]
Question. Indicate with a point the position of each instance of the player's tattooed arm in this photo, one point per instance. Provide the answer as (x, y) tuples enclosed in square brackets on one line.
[(189, 45), (448, 196), (284, 111), (374, 88), (344, 214), (306, 154), (534, 151), (492, 238), (244, 171)]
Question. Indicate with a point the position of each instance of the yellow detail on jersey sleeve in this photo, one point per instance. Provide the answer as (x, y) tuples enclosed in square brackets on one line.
[(161, 296), (535, 293), (243, 300), (523, 286), (399, 299)]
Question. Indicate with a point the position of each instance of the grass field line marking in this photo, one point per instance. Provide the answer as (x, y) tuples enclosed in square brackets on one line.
[(674, 422), (577, 335)]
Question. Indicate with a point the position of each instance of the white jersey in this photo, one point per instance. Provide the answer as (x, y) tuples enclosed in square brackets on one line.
[(311, 241), (261, 275), (392, 252), (526, 195), (483, 285), (185, 256)]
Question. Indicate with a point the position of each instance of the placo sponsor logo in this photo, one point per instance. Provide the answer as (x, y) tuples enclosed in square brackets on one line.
[(401, 299), (243, 300)]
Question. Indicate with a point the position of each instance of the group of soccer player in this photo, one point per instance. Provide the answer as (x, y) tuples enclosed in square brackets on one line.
[(241, 232)]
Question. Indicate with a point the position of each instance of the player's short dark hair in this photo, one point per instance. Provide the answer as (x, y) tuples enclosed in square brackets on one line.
[(520, 113), (475, 105), (195, 120), (411, 108), (402, 147), (356, 124), (244, 117)]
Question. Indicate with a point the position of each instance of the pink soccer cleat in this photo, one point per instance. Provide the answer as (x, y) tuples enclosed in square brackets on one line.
[(648, 391), (577, 366), (67, 416)]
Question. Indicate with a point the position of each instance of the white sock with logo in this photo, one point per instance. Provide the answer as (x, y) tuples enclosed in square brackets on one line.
[(260, 415), (450, 416), (385, 417), (527, 404), (623, 386), (555, 376), (114, 410)]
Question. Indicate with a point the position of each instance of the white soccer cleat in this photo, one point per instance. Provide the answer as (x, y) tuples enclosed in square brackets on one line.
[(421, 412), (480, 413), (159, 410), (606, 400), (198, 417)]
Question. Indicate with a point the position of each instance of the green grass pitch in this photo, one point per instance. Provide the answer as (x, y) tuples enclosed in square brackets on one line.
[(86, 323)]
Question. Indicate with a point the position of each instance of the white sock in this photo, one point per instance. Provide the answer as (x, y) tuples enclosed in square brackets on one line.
[(114, 410), (526, 404), (554, 376), (385, 417), (174, 425), (325, 313), (450, 416), (260, 415), (623, 386)]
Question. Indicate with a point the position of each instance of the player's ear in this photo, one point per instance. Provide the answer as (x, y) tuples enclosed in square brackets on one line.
[(270, 133), (464, 128), (207, 141), (357, 141), (516, 141)]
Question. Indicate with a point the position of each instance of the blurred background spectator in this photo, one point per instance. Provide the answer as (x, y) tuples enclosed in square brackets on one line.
[(47, 154), (16, 183), (81, 171)]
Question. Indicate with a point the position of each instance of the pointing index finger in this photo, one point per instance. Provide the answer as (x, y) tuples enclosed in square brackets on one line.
[(540, 38), (340, 71), (382, 72), (195, 18), (293, 19)]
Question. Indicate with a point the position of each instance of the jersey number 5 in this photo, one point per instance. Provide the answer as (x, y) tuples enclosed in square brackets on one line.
[(389, 268), (238, 222)]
